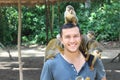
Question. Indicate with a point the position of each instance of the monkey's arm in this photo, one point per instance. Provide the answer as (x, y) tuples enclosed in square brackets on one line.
[(53, 47), (50, 50), (51, 44)]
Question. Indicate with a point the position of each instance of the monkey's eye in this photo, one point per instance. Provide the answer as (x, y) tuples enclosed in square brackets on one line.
[(68, 10)]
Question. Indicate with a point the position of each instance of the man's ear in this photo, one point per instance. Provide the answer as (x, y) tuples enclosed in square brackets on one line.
[(81, 37)]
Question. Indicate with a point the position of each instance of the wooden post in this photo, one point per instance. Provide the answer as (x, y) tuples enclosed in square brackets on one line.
[(48, 25), (19, 41), (58, 4), (52, 23)]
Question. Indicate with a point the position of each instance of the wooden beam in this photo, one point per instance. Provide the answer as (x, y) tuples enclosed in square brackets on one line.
[(33, 2), (19, 41)]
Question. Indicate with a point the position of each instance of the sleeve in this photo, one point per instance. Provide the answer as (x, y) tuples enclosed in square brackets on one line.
[(100, 71), (46, 73)]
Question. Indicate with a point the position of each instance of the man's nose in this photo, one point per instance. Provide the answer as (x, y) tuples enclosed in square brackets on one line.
[(72, 39)]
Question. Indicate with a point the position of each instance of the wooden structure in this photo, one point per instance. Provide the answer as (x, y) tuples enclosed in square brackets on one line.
[(47, 3), (34, 2)]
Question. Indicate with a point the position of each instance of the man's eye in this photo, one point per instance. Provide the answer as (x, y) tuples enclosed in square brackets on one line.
[(67, 37), (76, 36)]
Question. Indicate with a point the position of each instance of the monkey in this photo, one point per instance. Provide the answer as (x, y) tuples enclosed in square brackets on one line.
[(92, 57), (54, 46), (91, 48), (93, 51), (70, 15), (86, 41)]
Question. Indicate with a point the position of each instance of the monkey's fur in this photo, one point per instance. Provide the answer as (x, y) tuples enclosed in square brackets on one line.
[(54, 46), (92, 57), (70, 15), (88, 41), (91, 48)]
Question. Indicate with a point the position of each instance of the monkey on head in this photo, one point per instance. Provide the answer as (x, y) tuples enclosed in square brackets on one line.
[(70, 15)]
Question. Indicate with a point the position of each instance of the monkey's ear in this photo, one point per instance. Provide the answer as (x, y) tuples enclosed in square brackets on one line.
[(61, 40), (81, 37)]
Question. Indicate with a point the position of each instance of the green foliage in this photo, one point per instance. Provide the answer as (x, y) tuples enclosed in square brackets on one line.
[(104, 20), (8, 25)]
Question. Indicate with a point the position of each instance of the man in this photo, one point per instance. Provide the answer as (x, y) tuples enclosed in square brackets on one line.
[(71, 65)]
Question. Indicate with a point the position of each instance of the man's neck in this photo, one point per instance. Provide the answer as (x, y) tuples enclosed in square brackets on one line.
[(77, 59), (71, 56)]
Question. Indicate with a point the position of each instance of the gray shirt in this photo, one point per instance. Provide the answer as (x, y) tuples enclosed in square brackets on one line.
[(59, 69)]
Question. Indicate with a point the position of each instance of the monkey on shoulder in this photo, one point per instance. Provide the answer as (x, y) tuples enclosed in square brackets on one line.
[(87, 40), (93, 56), (54, 46)]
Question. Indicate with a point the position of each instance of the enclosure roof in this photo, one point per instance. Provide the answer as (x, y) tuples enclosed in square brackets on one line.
[(33, 2)]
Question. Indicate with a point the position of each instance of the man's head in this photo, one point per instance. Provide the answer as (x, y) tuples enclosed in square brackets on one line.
[(68, 26), (70, 37)]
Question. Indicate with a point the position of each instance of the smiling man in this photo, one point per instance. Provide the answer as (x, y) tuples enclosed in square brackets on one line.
[(71, 64)]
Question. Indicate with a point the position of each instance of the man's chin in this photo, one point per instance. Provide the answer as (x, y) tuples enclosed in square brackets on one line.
[(73, 50)]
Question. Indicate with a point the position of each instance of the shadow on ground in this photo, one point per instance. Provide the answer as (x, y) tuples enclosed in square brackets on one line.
[(31, 68), (32, 61), (112, 69)]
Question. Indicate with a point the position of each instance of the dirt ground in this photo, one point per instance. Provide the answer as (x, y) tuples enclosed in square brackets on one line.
[(32, 60)]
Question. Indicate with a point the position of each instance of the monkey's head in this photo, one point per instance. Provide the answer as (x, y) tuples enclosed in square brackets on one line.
[(70, 15), (91, 35), (69, 8)]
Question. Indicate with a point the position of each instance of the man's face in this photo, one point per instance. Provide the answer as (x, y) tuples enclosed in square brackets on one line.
[(71, 39)]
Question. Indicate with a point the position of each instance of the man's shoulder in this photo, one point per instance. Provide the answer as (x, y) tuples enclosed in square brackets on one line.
[(53, 60)]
